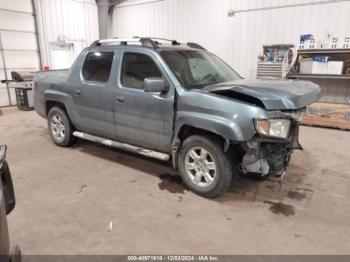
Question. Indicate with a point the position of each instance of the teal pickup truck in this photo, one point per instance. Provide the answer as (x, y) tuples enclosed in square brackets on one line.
[(175, 102)]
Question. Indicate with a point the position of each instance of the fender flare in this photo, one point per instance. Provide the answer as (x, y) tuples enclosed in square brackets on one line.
[(60, 97)]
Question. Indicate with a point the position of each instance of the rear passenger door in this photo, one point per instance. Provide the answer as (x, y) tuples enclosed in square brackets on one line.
[(93, 95), (143, 119)]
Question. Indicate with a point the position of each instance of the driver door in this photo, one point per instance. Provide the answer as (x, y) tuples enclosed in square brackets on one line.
[(143, 118)]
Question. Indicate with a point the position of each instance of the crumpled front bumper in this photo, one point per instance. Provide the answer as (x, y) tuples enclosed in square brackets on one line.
[(265, 156)]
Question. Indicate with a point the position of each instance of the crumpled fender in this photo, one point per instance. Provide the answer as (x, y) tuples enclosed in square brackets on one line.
[(216, 124), (226, 128)]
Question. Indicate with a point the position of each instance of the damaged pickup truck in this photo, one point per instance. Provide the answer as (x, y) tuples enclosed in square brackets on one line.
[(177, 102)]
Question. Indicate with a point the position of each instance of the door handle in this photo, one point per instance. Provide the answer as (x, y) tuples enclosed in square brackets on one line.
[(77, 92), (120, 99)]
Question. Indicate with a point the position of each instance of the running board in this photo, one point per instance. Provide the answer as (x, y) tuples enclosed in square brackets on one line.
[(131, 148)]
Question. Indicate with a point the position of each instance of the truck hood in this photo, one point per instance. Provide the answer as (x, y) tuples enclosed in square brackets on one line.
[(270, 94)]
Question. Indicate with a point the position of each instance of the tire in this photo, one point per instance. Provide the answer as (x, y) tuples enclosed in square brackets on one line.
[(195, 173), (60, 127)]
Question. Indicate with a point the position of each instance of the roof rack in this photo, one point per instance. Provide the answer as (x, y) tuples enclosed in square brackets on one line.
[(195, 45), (152, 42)]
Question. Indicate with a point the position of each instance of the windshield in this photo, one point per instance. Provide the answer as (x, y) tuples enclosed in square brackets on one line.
[(196, 69)]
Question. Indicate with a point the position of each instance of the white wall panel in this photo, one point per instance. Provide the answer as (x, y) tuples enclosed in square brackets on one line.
[(16, 21), (17, 29), (23, 59), (237, 39), (74, 20), (14, 40), (19, 5)]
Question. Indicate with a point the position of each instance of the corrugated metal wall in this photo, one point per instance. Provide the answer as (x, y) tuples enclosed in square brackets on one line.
[(18, 43), (237, 39), (75, 21)]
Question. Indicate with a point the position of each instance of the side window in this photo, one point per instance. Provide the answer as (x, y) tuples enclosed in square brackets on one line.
[(97, 66), (137, 67)]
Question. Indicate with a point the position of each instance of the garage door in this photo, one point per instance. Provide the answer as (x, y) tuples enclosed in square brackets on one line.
[(18, 43)]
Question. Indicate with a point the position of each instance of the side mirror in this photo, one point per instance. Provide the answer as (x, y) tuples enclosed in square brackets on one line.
[(155, 84), (6, 182)]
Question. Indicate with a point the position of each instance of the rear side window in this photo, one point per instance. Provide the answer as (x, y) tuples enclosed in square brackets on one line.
[(137, 67), (97, 66)]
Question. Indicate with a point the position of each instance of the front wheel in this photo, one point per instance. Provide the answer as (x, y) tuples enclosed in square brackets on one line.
[(205, 168)]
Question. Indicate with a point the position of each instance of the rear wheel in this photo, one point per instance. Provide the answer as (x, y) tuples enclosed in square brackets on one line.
[(60, 127), (204, 166)]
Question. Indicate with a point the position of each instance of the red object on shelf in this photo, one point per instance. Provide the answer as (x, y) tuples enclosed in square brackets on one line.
[(46, 68)]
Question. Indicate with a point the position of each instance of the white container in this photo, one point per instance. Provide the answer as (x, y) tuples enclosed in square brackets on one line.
[(308, 66), (335, 67)]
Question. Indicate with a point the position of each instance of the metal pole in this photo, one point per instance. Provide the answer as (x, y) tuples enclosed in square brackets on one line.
[(233, 12), (103, 23), (37, 34), (5, 70)]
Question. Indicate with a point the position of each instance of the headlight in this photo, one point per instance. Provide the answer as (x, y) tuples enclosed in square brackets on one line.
[(273, 127)]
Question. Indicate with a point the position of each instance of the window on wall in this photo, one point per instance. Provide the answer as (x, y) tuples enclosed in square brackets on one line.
[(135, 68), (97, 66)]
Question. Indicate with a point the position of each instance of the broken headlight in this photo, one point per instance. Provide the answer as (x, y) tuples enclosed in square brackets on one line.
[(273, 127)]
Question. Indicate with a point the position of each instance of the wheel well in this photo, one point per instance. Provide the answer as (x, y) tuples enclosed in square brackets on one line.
[(50, 104), (187, 131)]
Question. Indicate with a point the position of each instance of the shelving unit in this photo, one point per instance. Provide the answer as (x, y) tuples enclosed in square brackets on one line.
[(333, 110), (319, 76), (272, 65), (269, 70), (324, 51)]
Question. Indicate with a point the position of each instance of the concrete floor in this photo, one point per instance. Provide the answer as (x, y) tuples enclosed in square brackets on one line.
[(66, 199)]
